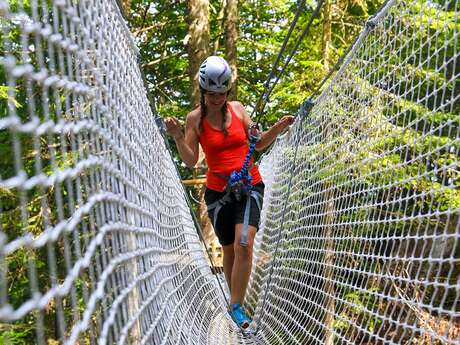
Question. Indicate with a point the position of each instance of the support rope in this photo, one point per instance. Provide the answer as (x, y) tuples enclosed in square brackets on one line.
[(259, 108)]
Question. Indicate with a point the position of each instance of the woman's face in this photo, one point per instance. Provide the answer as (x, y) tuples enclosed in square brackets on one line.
[(215, 99)]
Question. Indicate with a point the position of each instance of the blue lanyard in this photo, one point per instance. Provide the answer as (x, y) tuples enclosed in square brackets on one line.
[(242, 175)]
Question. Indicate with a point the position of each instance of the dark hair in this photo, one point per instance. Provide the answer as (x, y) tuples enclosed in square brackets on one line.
[(204, 112)]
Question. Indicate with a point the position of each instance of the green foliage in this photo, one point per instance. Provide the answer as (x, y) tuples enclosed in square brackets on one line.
[(161, 32), (15, 5), (4, 98), (16, 334), (356, 311)]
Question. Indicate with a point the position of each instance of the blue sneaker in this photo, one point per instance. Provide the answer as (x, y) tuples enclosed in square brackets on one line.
[(239, 316)]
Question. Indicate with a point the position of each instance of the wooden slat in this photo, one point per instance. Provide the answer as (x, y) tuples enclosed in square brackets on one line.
[(193, 182)]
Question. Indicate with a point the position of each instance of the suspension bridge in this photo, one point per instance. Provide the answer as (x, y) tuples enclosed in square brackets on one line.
[(359, 238)]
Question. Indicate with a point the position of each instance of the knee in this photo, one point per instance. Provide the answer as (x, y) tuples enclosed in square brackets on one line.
[(243, 252)]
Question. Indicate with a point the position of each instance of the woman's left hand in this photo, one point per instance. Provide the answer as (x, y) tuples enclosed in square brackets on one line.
[(284, 122)]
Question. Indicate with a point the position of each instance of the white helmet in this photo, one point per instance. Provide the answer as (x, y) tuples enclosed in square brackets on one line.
[(215, 74)]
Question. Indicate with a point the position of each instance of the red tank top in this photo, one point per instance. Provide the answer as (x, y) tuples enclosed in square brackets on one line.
[(225, 153)]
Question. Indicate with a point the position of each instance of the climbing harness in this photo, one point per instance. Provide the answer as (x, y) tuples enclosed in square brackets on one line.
[(239, 184)]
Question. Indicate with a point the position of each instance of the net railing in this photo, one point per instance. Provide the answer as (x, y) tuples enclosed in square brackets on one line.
[(97, 242), (360, 226), (360, 235)]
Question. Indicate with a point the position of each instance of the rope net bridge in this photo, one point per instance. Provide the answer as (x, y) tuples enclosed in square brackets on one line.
[(360, 232)]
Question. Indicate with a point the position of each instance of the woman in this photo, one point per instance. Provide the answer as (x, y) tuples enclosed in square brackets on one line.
[(221, 128)]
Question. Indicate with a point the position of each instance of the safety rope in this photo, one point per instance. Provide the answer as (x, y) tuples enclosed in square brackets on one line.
[(264, 95), (264, 99), (245, 179), (243, 173), (347, 55)]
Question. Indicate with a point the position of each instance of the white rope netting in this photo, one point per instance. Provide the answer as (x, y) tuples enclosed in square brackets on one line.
[(360, 226), (360, 240), (97, 241)]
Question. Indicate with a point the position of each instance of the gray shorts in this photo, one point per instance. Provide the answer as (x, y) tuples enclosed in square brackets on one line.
[(232, 213)]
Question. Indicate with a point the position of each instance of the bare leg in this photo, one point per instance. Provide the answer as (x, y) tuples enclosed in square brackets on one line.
[(229, 257), (242, 264)]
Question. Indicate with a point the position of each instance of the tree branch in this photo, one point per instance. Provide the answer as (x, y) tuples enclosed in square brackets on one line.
[(176, 77), (144, 15), (163, 58)]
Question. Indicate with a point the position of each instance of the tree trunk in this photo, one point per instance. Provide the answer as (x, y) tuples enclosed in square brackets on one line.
[(126, 4), (198, 49), (220, 24), (207, 229), (327, 40), (198, 42), (231, 39)]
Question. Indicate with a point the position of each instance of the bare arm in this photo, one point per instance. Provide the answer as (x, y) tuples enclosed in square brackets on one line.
[(186, 143), (270, 134)]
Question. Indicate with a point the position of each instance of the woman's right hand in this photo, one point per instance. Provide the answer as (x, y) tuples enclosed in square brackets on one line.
[(174, 128)]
